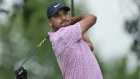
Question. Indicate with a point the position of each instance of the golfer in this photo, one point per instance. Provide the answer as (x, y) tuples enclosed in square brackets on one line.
[(72, 47)]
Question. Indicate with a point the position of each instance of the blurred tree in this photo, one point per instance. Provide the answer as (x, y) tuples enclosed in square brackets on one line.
[(116, 69), (133, 27)]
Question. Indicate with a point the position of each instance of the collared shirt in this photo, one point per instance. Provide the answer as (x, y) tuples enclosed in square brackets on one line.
[(74, 56)]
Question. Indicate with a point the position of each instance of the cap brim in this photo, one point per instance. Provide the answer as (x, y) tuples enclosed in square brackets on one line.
[(65, 7)]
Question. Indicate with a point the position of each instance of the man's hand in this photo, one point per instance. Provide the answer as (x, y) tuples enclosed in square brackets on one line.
[(88, 42)]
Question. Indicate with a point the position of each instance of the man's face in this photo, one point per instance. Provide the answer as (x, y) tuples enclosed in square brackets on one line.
[(60, 19)]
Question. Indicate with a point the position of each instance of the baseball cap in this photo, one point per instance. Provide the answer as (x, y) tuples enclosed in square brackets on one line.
[(54, 7)]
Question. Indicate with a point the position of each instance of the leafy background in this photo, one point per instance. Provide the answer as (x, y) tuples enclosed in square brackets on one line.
[(26, 26)]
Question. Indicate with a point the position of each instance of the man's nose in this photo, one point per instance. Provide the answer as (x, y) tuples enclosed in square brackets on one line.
[(63, 17)]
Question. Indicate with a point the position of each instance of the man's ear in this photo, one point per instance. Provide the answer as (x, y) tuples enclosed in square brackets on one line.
[(49, 22)]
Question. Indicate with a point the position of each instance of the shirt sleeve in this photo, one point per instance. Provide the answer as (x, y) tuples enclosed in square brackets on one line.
[(65, 37), (72, 33)]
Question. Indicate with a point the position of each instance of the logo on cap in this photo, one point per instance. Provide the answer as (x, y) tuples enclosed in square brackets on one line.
[(56, 5)]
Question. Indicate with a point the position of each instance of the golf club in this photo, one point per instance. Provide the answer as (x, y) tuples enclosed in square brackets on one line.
[(21, 73)]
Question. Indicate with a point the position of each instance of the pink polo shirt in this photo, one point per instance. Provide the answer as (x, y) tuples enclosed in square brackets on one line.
[(74, 56)]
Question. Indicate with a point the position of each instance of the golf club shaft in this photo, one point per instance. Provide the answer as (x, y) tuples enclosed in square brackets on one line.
[(34, 50)]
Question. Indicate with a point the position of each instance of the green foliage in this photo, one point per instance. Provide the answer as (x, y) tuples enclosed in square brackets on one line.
[(24, 30), (132, 26), (118, 70)]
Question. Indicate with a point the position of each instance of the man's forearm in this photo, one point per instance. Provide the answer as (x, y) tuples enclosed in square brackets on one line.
[(78, 18), (86, 21)]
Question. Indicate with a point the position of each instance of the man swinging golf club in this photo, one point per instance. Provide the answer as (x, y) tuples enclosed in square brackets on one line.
[(72, 47)]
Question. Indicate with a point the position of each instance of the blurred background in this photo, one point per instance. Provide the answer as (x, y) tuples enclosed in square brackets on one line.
[(115, 36)]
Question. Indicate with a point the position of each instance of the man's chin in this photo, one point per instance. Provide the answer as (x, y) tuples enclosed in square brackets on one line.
[(64, 25)]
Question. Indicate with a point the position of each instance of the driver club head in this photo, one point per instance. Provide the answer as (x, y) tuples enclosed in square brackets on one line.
[(21, 73)]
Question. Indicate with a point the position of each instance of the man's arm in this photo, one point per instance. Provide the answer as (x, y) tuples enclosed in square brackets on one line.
[(88, 42), (85, 20)]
